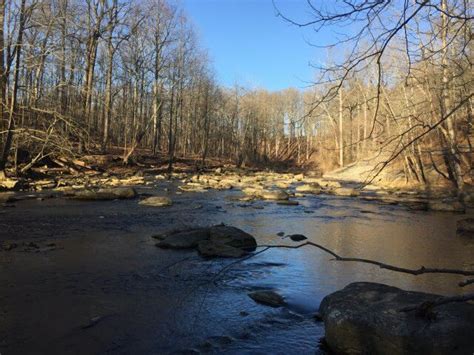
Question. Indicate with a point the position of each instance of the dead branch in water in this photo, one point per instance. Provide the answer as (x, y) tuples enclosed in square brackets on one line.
[(420, 271), (423, 308)]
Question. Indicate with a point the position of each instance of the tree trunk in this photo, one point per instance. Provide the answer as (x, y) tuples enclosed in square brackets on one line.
[(13, 104)]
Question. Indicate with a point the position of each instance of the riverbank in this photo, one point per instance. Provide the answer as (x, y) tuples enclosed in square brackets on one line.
[(106, 171)]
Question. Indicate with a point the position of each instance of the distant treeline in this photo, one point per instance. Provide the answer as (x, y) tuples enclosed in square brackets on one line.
[(81, 76)]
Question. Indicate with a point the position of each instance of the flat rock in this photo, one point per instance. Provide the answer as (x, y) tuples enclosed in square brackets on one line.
[(273, 195), (156, 201), (366, 318), (345, 191), (105, 194), (309, 189), (193, 187), (268, 297)]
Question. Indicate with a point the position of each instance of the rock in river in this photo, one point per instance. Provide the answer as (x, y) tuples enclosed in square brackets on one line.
[(221, 241), (156, 201), (184, 239), (367, 318), (309, 188), (345, 191), (273, 195), (297, 237), (105, 194), (268, 297)]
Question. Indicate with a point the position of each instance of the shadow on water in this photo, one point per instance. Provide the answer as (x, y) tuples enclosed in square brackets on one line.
[(104, 286)]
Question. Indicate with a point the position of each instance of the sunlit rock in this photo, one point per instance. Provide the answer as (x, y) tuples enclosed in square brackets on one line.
[(252, 191), (273, 195), (309, 188), (345, 191), (8, 184), (156, 201), (105, 194)]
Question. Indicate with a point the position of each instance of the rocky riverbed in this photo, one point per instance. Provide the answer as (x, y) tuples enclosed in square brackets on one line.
[(86, 276)]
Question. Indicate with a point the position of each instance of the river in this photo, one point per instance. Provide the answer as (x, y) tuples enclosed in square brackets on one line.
[(103, 287)]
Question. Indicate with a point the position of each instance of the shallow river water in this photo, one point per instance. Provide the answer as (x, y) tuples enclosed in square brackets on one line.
[(105, 288)]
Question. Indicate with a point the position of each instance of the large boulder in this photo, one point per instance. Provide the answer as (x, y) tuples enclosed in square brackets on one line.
[(105, 194), (369, 318), (156, 201), (216, 241)]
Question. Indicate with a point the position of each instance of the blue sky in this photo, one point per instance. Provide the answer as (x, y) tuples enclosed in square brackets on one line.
[(250, 46)]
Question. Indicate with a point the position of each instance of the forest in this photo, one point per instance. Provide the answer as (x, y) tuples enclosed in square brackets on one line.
[(95, 76)]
